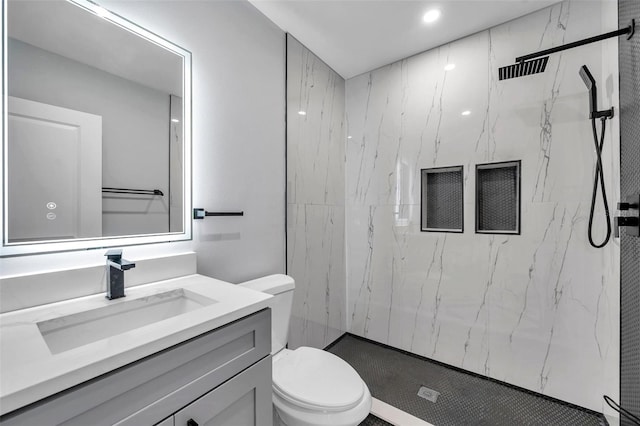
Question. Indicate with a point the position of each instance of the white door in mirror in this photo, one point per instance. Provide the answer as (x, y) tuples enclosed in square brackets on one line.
[(54, 154)]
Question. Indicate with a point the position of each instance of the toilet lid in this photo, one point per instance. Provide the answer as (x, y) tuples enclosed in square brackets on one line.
[(314, 379)]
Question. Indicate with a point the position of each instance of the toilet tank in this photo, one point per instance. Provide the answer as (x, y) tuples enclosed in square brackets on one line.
[(281, 287)]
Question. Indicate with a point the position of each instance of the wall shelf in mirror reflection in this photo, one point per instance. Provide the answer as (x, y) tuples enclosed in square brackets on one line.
[(85, 111)]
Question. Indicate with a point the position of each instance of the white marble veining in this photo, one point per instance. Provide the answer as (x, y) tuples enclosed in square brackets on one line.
[(540, 309), (407, 116), (315, 198), (33, 369), (315, 140), (316, 261)]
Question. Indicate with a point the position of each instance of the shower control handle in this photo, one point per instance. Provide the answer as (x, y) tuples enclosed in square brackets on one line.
[(631, 221), (628, 205), (632, 224), (624, 206)]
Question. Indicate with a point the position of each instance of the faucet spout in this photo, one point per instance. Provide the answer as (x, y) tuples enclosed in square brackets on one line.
[(121, 264), (116, 266)]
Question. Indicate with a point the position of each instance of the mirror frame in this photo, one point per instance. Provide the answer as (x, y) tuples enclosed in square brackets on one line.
[(17, 249)]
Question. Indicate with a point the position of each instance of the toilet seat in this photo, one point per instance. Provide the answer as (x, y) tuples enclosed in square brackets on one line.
[(289, 414), (317, 380)]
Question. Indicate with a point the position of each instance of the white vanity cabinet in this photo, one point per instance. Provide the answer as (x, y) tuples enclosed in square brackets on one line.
[(222, 377), (243, 400)]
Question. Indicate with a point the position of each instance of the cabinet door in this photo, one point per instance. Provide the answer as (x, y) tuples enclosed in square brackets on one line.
[(244, 400)]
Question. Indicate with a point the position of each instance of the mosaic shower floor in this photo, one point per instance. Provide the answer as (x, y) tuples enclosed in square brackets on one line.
[(395, 377), (372, 420)]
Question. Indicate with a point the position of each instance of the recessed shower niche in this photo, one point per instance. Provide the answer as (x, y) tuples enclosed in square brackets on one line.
[(498, 198), (442, 200)]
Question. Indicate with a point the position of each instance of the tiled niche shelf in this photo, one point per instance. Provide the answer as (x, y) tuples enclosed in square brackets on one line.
[(441, 200), (498, 198)]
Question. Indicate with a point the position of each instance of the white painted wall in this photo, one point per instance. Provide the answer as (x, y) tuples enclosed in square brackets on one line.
[(238, 139), (135, 130)]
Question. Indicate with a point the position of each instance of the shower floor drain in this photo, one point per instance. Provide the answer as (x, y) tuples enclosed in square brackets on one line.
[(428, 394)]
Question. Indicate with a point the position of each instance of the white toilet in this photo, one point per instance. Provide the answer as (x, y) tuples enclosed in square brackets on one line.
[(311, 387)]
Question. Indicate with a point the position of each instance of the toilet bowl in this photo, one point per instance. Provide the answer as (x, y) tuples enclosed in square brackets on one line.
[(311, 387)]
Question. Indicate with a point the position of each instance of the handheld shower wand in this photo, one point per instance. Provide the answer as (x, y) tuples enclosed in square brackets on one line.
[(590, 82)]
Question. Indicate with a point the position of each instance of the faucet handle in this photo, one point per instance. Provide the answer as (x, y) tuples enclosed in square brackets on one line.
[(114, 254)]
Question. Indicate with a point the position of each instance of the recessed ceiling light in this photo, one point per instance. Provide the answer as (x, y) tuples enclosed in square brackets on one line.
[(431, 16), (175, 120), (467, 112), (302, 112), (449, 67), (349, 137)]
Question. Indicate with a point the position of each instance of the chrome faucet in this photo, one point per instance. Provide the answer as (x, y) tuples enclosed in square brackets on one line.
[(116, 266)]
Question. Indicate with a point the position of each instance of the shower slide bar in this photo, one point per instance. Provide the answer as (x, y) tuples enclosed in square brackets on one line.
[(132, 191)]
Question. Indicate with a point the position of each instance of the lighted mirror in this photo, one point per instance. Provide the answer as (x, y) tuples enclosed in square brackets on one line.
[(96, 130)]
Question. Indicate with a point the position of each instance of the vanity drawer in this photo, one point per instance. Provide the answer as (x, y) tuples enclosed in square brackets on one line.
[(244, 400), (151, 389)]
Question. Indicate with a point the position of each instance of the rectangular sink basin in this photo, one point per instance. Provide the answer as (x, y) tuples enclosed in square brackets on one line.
[(72, 331)]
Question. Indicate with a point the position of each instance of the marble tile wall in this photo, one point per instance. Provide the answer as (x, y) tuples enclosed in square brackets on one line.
[(539, 310), (315, 198)]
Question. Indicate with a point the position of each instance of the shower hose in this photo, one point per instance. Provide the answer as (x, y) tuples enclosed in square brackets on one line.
[(628, 415), (599, 177)]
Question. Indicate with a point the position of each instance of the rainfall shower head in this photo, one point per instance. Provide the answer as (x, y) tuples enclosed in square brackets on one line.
[(534, 63), (590, 82), (523, 68)]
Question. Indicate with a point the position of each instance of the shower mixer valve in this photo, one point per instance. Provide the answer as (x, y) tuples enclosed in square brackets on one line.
[(630, 223)]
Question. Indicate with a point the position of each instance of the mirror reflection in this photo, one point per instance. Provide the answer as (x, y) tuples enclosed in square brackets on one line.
[(94, 144)]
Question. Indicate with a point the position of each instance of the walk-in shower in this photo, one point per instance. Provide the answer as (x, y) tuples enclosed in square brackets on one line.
[(536, 63)]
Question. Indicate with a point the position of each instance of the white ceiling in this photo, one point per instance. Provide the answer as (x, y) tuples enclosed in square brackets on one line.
[(356, 36)]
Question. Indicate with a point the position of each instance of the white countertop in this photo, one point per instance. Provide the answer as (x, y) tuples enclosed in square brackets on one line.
[(30, 372)]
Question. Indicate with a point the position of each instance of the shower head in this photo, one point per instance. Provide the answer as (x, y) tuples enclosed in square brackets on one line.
[(534, 63), (590, 82), (523, 68)]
